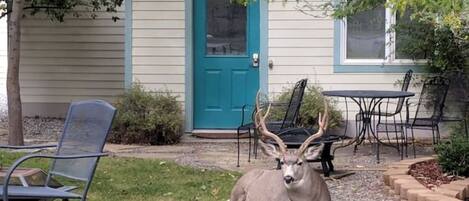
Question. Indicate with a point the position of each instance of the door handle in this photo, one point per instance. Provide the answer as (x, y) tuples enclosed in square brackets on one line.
[(255, 60)]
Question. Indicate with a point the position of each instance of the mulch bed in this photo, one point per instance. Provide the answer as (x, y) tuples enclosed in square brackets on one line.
[(430, 174)]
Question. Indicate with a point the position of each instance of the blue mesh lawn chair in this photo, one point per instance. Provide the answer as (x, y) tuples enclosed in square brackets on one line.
[(86, 128)]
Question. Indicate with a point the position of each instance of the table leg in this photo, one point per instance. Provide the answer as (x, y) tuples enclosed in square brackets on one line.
[(366, 112)]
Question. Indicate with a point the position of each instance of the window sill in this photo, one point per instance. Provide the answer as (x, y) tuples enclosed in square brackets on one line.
[(367, 68)]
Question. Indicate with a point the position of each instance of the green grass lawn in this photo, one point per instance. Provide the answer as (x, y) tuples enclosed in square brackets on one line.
[(144, 179)]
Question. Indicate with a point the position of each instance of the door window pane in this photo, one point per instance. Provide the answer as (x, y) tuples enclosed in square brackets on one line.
[(366, 34), (226, 28)]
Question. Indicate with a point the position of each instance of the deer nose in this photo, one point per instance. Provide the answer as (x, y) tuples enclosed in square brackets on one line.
[(288, 179)]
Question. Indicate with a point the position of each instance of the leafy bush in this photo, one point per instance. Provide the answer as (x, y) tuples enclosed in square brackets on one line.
[(313, 103), (147, 117), (453, 156)]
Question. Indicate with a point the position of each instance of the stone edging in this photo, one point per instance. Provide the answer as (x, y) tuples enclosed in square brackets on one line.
[(408, 188)]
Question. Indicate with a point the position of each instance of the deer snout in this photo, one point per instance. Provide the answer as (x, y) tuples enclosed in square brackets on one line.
[(288, 179)]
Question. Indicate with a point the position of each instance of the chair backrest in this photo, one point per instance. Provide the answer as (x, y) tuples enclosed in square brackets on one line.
[(293, 109), (432, 100), (404, 87), (85, 131)]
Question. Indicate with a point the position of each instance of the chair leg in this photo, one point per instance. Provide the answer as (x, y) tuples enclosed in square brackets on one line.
[(357, 129), (438, 137), (401, 145), (237, 164), (433, 136), (331, 166), (326, 155), (325, 169), (406, 143), (249, 150), (397, 138), (256, 143), (413, 141)]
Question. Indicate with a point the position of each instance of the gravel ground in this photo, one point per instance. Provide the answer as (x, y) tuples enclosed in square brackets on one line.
[(35, 128), (363, 186)]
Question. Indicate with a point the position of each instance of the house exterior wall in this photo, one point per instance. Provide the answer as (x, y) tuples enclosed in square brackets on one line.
[(158, 45), (302, 46), (82, 58)]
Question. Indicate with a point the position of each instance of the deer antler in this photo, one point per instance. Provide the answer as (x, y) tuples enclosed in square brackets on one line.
[(262, 128), (323, 123)]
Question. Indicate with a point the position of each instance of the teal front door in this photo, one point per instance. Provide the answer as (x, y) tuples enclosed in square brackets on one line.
[(226, 71)]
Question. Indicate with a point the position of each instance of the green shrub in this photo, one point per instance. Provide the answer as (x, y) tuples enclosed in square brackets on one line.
[(147, 117), (313, 103), (453, 156)]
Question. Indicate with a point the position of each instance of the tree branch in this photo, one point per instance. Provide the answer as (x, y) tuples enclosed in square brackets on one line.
[(42, 7)]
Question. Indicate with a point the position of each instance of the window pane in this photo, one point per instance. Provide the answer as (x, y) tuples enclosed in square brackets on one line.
[(366, 34), (407, 34), (226, 28)]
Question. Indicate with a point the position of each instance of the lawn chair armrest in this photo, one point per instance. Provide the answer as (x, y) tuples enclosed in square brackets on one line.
[(18, 162), (28, 146)]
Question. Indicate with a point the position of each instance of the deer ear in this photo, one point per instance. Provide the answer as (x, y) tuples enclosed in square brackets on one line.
[(313, 152), (269, 150)]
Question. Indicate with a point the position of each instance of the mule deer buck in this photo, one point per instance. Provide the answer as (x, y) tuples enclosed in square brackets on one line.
[(296, 181)]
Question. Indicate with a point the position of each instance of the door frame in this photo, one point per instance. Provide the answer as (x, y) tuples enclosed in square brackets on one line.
[(189, 58)]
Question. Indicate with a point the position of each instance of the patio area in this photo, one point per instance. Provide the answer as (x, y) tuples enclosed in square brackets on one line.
[(365, 182), (362, 181)]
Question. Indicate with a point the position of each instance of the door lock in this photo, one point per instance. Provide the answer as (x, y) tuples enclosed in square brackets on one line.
[(255, 60)]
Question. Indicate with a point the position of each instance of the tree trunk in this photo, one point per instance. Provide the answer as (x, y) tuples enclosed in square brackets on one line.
[(15, 116)]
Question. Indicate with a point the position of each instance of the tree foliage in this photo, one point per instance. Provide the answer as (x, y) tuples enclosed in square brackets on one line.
[(450, 13), (446, 13), (57, 9)]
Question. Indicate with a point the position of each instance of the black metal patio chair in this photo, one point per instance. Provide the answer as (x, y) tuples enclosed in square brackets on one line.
[(392, 110), (388, 108), (292, 110), (78, 151), (429, 110)]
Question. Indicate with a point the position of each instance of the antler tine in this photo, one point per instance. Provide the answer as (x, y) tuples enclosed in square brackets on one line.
[(260, 124), (323, 123)]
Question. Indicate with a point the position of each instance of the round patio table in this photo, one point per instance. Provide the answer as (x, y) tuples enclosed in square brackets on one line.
[(367, 101)]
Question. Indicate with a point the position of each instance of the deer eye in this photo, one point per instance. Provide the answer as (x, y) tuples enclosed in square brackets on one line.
[(299, 163), (282, 163)]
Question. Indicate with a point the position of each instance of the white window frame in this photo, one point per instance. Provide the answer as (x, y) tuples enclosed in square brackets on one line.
[(390, 46)]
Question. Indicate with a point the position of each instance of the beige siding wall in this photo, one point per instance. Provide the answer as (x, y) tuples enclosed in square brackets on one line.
[(301, 46), (79, 59), (158, 46), (3, 54)]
